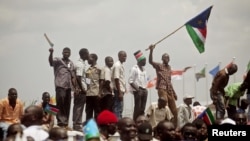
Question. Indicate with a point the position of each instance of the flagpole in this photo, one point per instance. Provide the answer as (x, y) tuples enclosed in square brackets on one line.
[(206, 82), (183, 84), (195, 91), (166, 36)]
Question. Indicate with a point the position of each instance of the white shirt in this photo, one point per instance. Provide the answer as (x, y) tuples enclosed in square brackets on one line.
[(81, 71), (119, 72), (156, 115), (106, 75), (185, 115), (138, 77)]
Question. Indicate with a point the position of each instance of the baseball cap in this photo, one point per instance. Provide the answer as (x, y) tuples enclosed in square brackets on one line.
[(188, 96), (228, 121), (145, 131)]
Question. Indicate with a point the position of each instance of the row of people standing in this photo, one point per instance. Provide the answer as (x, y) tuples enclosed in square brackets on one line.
[(89, 85), (95, 82)]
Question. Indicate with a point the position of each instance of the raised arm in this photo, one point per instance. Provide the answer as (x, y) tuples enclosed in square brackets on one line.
[(151, 48), (51, 50)]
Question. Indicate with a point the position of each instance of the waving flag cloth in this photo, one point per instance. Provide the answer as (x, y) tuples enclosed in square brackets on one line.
[(207, 116), (177, 74), (91, 130), (200, 74), (197, 29), (214, 70), (152, 83), (51, 109)]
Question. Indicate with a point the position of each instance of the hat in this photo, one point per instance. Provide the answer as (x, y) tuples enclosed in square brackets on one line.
[(145, 131), (106, 117), (91, 130), (228, 121), (139, 56), (188, 96)]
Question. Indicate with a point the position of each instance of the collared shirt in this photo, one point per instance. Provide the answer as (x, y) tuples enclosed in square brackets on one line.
[(8, 114), (119, 73), (81, 71), (232, 91), (220, 81), (164, 78), (63, 73), (92, 79), (138, 77), (185, 115), (106, 75), (156, 115)]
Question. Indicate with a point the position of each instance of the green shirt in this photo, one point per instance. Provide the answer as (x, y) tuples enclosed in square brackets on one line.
[(233, 93)]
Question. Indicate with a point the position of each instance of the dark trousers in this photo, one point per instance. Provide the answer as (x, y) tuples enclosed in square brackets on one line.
[(79, 102), (140, 101), (220, 106), (118, 105), (92, 107), (107, 102), (63, 101), (231, 110)]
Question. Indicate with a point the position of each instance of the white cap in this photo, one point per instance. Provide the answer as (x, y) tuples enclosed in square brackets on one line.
[(228, 121), (187, 96)]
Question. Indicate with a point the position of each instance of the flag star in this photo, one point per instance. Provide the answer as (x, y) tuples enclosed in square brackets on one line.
[(200, 22)]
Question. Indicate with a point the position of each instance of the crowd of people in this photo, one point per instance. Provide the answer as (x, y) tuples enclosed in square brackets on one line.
[(100, 91)]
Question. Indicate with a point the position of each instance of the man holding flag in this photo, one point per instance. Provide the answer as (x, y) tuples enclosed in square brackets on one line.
[(163, 84)]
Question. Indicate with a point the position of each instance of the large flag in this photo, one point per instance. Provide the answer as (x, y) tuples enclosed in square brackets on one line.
[(200, 74), (207, 116), (197, 29), (51, 109), (214, 71), (177, 74)]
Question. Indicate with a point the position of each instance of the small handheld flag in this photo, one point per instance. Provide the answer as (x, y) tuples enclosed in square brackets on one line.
[(51, 109), (207, 116), (91, 130)]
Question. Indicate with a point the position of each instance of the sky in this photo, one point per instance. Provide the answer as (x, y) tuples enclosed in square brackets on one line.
[(107, 26)]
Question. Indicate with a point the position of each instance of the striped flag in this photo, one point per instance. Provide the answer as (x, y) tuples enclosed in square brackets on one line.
[(177, 74), (51, 109), (200, 74), (197, 29), (151, 83), (207, 116)]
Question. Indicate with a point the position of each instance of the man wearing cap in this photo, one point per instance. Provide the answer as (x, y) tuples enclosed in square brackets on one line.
[(106, 122), (185, 114), (163, 84), (138, 82), (145, 132)]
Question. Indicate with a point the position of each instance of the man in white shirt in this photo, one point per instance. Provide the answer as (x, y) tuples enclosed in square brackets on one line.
[(106, 85), (138, 82), (119, 83), (159, 111), (80, 97), (185, 113)]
